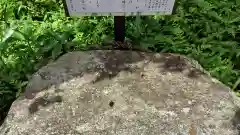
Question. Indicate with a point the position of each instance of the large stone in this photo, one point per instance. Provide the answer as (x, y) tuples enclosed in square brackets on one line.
[(123, 93)]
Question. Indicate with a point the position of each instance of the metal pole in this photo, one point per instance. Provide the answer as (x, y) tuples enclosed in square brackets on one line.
[(119, 28)]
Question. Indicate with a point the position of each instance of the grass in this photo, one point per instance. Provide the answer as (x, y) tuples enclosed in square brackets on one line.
[(36, 31)]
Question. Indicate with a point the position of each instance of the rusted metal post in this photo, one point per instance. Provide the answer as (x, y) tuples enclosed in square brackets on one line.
[(119, 28)]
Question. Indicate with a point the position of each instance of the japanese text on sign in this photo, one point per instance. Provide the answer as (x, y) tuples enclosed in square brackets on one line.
[(119, 7)]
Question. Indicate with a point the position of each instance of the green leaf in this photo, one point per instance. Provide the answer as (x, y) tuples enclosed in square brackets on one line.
[(8, 35), (160, 37), (57, 50), (21, 87), (5, 92), (237, 2), (235, 20), (216, 16), (165, 49), (49, 44), (2, 62), (236, 84), (238, 55), (3, 46), (203, 4), (28, 29), (18, 35)]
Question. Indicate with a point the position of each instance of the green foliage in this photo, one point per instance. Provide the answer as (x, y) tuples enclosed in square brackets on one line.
[(36, 31)]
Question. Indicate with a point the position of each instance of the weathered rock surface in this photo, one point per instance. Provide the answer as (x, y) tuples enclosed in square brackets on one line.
[(123, 93)]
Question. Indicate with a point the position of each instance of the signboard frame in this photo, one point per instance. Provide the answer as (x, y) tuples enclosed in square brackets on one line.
[(145, 13), (119, 18)]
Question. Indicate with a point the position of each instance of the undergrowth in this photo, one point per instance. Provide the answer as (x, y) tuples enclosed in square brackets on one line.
[(36, 31)]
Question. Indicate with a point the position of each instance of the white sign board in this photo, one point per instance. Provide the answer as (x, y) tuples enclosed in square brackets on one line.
[(118, 7)]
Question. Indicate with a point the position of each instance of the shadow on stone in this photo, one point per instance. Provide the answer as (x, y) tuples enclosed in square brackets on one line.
[(236, 120), (171, 63), (44, 102), (115, 63), (195, 73)]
